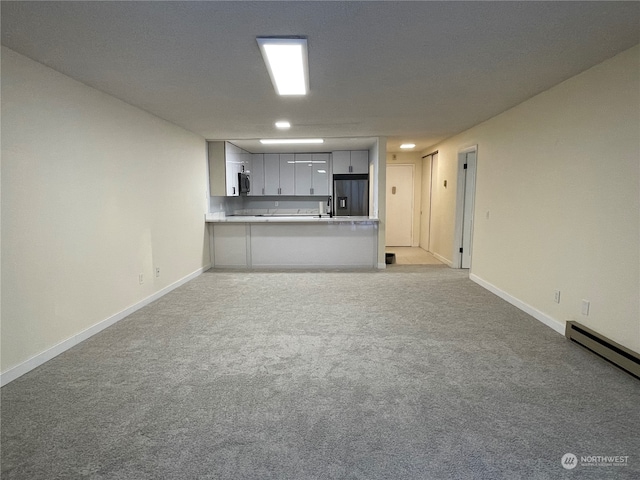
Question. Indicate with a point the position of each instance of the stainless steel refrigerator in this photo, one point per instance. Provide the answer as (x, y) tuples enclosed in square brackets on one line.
[(351, 195)]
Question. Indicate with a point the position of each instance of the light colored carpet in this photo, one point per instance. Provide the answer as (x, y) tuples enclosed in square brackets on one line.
[(408, 373)]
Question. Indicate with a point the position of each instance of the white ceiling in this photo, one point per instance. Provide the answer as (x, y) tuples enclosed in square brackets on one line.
[(410, 71)]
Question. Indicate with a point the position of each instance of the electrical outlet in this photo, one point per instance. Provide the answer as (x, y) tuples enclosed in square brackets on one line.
[(141, 278), (157, 272), (276, 204), (556, 296), (585, 307)]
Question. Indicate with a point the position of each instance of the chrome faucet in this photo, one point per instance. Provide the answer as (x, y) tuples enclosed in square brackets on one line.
[(329, 210)]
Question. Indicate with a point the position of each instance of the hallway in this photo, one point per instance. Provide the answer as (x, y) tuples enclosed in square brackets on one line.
[(413, 256)]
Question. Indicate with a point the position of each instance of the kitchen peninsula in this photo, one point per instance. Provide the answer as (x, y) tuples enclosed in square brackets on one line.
[(293, 242), (259, 230)]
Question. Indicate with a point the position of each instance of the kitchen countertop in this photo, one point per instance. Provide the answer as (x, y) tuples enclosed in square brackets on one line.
[(211, 218)]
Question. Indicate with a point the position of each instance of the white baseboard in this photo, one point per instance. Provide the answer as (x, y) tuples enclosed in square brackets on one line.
[(446, 261), (551, 322), (39, 359)]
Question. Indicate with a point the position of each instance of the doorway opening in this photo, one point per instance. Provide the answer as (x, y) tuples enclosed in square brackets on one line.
[(412, 256)]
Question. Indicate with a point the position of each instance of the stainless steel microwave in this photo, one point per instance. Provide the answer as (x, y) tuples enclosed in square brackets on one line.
[(244, 183)]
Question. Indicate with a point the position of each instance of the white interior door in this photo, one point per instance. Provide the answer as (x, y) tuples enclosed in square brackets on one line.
[(400, 198), (469, 194)]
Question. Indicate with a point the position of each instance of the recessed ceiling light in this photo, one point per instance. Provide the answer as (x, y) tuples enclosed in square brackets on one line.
[(283, 125), (276, 141), (286, 60), (408, 145)]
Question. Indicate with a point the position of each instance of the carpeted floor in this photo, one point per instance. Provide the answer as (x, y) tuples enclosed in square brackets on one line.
[(408, 373)]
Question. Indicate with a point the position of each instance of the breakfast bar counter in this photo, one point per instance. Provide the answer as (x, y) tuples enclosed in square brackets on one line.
[(293, 241)]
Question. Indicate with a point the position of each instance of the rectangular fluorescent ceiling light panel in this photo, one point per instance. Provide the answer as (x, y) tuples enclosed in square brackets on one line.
[(307, 161), (290, 141), (286, 60)]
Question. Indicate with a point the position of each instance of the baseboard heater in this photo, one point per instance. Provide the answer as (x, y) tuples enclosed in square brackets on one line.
[(605, 348)]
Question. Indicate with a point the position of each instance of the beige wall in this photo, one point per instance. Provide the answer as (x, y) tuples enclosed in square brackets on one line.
[(94, 192), (443, 205), (411, 158), (558, 196)]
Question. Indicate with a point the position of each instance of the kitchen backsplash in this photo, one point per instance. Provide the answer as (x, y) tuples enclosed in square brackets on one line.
[(261, 205)]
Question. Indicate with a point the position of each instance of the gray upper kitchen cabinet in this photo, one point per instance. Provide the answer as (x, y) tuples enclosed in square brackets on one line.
[(341, 161), (312, 176), (303, 173), (287, 174), (225, 162), (279, 174), (360, 161), (237, 161), (256, 173), (233, 168), (355, 161), (320, 174), (271, 173)]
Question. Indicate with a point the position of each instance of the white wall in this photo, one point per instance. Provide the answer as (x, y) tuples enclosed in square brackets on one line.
[(378, 175), (94, 192), (559, 179)]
